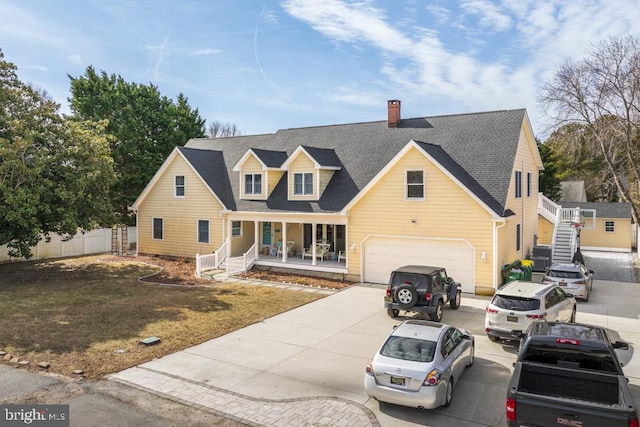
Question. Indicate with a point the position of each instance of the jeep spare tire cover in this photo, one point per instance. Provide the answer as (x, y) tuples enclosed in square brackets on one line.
[(406, 296)]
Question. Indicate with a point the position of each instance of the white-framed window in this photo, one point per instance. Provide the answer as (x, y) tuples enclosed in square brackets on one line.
[(529, 184), (518, 237), (303, 183), (518, 184), (203, 231), (179, 186), (415, 185), (253, 183), (236, 228), (158, 228), (609, 226)]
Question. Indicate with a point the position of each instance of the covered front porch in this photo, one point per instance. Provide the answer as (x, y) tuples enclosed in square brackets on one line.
[(302, 242)]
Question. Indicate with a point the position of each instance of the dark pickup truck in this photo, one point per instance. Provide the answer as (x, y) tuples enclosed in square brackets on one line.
[(568, 374)]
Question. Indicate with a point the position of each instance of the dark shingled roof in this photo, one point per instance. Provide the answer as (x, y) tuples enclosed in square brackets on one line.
[(272, 159), (603, 210), (478, 149)]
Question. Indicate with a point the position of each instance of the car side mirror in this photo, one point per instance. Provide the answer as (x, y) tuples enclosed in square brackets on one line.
[(517, 334), (591, 272), (467, 336), (621, 345)]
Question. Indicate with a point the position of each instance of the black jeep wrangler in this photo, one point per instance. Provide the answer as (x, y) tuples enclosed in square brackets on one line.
[(421, 289)]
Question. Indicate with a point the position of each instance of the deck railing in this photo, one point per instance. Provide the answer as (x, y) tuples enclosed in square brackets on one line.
[(241, 263), (210, 261)]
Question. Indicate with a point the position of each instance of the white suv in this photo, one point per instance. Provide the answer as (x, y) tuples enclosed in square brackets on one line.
[(517, 304)]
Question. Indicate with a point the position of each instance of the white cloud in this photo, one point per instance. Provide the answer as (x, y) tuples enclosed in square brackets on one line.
[(34, 67), (490, 14), (200, 52), (442, 14)]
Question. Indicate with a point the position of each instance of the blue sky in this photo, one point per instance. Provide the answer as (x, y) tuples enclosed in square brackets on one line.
[(268, 65)]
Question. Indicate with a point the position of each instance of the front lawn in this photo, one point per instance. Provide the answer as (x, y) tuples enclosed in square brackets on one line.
[(84, 314)]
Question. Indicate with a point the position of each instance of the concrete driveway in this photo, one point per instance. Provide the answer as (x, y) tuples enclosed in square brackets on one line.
[(306, 366)]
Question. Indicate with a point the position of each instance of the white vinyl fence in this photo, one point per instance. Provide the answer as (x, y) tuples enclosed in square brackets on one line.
[(92, 242)]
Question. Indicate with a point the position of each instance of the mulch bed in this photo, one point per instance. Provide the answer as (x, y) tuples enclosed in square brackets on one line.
[(182, 272)]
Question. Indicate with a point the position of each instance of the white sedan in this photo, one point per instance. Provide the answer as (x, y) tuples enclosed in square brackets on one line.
[(419, 364)]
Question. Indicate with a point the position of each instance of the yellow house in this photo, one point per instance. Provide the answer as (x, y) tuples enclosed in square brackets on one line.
[(354, 200)]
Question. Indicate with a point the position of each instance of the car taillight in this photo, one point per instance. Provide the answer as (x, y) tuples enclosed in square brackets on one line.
[(580, 282), (539, 316), (546, 280), (369, 369), (427, 297), (567, 341), (432, 378), (388, 292), (634, 423), (511, 409), (490, 310)]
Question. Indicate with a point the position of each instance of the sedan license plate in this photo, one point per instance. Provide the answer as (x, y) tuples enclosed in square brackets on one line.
[(562, 283), (397, 381), (512, 318)]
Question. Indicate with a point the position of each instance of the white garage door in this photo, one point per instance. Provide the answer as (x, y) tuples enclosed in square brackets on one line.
[(382, 255)]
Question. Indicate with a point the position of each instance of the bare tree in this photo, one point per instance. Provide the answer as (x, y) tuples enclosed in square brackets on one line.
[(217, 129), (602, 93)]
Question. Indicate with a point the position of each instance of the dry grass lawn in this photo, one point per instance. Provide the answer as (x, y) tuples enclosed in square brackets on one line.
[(85, 314)]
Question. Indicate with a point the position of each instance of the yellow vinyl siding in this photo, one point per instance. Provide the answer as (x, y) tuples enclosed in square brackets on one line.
[(273, 178), (302, 164), (180, 215), (254, 167), (241, 244), (620, 239), (325, 177), (525, 208), (447, 212)]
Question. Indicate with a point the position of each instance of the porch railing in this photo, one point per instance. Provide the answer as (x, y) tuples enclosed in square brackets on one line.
[(241, 263), (211, 261)]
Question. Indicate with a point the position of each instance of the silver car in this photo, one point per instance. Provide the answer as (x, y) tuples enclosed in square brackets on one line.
[(419, 364), (573, 278)]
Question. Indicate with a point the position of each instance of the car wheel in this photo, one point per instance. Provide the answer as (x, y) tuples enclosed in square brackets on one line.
[(406, 296), (472, 355), (393, 313), (573, 316), (493, 338), (449, 395), (455, 303), (436, 316)]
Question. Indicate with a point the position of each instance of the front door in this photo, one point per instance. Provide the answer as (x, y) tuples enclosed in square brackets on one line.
[(266, 234)]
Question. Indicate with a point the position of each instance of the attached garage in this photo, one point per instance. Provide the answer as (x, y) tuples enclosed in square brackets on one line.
[(382, 255)]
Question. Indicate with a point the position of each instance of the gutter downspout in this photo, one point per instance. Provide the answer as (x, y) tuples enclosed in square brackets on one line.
[(495, 249)]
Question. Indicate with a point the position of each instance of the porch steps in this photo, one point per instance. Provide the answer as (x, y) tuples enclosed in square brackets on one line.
[(562, 251)]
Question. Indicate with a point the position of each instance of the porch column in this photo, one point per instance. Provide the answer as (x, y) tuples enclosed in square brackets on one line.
[(313, 243), (284, 242), (256, 238), (229, 237)]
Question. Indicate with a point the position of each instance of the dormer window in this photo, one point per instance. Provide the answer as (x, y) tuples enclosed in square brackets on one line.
[(253, 183), (303, 183)]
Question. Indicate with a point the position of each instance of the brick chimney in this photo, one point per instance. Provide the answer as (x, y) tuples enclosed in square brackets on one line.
[(393, 107)]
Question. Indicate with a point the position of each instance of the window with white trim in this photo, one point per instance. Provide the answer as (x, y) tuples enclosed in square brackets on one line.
[(179, 186), (236, 228), (609, 226), (415, 184), (302, 183), (203, 231), (158, 228), (518, 184), (253, 183)]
